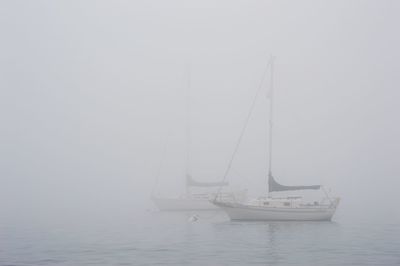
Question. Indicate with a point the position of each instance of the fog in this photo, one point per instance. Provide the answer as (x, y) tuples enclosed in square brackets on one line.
[(92, 91)]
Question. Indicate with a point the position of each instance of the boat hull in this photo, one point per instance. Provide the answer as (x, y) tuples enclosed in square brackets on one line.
[(256, 213)]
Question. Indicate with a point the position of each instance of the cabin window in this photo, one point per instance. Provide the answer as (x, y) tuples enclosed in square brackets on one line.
[(266, 203), (286, 204)]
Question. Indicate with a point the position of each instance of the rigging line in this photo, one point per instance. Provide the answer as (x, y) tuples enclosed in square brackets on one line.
[(244, 128)]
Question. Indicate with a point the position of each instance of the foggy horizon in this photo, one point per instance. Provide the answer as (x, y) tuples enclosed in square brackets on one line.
[(92, 92)]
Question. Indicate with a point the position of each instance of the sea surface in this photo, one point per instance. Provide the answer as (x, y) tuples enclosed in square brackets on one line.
[(160, 238)]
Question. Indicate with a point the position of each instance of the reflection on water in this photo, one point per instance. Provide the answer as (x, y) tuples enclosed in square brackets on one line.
[(170, 238)]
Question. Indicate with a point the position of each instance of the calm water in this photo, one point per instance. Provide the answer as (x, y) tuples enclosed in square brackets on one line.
[(170, 239)]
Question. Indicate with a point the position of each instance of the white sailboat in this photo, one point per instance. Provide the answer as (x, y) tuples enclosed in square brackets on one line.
[(270, 208), (197, 201), (198, 194)]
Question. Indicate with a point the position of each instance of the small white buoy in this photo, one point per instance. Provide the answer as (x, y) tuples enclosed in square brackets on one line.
[(193, 218)]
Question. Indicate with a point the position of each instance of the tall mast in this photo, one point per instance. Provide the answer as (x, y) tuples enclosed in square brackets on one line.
[(188, 132), (271, 108)]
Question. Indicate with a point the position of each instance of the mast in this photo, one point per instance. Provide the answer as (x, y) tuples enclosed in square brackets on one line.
[(188, 131), (271, 109)]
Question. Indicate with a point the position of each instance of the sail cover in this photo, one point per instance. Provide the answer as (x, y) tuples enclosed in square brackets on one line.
[(190, 182), (275, 186)]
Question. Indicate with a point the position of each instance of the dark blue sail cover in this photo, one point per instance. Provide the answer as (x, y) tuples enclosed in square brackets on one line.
[(275, 186)]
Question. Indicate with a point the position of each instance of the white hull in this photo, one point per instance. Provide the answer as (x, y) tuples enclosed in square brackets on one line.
[(238, 211), (183, 204)]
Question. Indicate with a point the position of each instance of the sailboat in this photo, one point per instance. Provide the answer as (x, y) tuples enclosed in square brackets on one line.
[(197, 201), (268, 207), (198, 194)]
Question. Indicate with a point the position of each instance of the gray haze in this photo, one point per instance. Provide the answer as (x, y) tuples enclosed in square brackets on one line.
[(90, 90)]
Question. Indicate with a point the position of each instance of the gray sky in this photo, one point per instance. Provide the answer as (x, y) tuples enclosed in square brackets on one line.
[(89, 90)]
